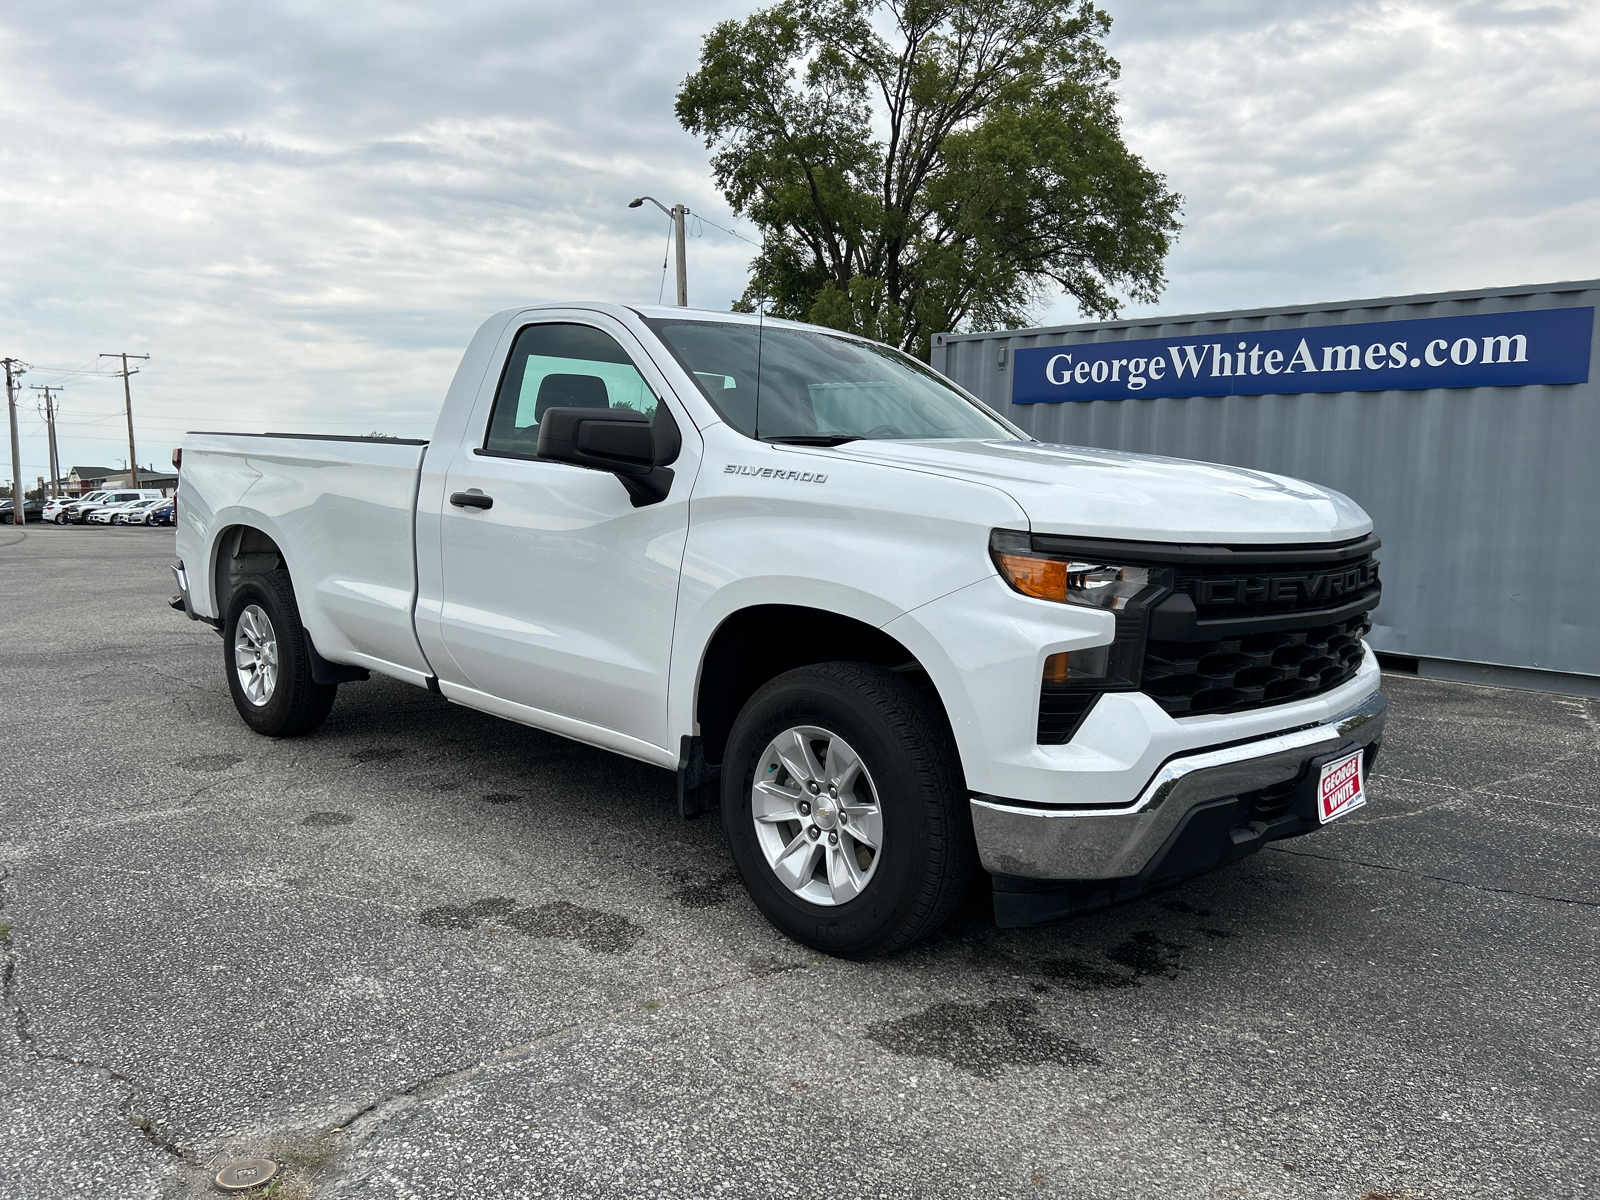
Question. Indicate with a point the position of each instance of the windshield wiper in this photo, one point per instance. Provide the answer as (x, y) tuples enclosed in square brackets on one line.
[(813, 439)]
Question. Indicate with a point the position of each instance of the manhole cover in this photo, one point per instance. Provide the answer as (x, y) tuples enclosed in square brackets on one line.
[(246, 1174)]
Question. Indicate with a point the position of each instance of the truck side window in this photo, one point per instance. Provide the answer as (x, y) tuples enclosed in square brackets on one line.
[(561, 366)]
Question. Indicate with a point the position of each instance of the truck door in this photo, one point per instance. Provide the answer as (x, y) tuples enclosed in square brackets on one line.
[(560, 594)]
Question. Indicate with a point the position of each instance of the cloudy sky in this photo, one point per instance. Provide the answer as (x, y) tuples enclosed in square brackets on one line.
[(301, 211)]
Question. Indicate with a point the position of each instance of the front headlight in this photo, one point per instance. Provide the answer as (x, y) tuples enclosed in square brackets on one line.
[(1071, 572), (1066, 579)]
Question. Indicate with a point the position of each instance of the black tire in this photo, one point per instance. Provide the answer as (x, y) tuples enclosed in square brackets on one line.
[(297, 704), (901, 736)]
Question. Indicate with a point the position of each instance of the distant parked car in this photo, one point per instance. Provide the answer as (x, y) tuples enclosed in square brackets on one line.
[(136, 513), (108, 513), (81, 511), (161, 514), (32, 510), (75, 509), (55, 511)]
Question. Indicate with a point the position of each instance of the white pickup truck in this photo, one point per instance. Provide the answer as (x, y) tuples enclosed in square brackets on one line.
[(886, 632)]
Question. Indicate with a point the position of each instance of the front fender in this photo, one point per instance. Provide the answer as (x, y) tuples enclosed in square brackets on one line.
[(696, 630), (983, 647)]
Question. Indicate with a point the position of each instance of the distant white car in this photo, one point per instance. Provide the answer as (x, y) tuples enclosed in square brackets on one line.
[(107, 513), (136, 513), (56, 510), (79, 512)]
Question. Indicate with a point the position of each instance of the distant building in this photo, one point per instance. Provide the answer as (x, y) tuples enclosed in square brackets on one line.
[(166, 481), (87, 479)]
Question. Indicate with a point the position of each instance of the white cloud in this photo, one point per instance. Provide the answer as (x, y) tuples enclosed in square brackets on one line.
[(1339, 150), (302, 211), (303, 217)]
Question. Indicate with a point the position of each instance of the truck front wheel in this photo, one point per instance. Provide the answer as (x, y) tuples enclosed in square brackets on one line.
[(266, 656), (846, 809)]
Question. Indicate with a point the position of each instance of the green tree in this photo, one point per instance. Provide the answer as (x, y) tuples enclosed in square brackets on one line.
[(917, 166)]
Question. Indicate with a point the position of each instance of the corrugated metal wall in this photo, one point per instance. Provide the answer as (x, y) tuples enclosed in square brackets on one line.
[(1487, 499)]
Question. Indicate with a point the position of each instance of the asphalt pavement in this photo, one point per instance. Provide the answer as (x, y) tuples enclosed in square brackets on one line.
[(428, 953)]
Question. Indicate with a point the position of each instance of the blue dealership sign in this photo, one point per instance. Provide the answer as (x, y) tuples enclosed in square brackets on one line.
[(1507, 349)]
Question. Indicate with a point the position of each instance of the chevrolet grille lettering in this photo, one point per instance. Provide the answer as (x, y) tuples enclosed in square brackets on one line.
[(1317, 586)]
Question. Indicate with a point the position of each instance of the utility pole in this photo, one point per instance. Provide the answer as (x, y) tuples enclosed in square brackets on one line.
[(50, 424), (127, 395), (14, 369), (677, 212)]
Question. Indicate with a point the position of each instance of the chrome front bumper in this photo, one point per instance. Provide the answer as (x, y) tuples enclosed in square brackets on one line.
[(1066, 843)]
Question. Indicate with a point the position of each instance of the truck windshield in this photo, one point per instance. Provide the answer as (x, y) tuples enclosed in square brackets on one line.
[(815, 387)]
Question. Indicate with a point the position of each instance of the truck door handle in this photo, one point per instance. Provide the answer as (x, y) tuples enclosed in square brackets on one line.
[(473, 499)]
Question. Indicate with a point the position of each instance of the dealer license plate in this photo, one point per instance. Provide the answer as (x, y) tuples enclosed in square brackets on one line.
[(1341, 787)]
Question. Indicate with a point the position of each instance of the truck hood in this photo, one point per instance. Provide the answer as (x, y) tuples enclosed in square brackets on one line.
[(1142, 497)]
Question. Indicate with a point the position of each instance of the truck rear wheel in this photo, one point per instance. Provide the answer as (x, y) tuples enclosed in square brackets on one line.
[(267, 658), (846, 809)]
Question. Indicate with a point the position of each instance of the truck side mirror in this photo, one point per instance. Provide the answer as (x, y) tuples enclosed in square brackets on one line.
[(602, 438), (621, 441)]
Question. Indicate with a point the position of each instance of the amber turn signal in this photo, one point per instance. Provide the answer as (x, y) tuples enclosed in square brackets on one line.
[(1077, 666), (1045, 578)]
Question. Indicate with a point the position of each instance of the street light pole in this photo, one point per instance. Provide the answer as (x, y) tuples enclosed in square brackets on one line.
[(677, 212)]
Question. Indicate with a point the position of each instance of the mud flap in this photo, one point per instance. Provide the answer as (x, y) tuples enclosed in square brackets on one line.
[(699, 782)]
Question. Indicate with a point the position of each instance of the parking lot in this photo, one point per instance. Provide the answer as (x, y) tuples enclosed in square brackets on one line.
[(427, 953)]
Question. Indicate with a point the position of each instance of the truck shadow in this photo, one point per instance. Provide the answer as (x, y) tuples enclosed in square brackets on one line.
[(451, 756)]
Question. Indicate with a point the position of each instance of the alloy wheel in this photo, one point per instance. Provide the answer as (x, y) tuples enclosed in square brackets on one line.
[(255, 655), (817, 815)]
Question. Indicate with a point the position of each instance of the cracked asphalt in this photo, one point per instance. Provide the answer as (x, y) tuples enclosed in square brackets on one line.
[(427, 953)]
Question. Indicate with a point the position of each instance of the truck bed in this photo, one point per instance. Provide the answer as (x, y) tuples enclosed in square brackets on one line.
[(342, 510)]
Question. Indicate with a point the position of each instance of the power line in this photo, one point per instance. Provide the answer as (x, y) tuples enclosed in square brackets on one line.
[(92, 372), (662, 290), (729, 232)]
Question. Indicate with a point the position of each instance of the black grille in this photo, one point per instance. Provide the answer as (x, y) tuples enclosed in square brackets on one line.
[(1238, 673), (1224, 629), (1269, 802), (1061, 712), (1227, 590)]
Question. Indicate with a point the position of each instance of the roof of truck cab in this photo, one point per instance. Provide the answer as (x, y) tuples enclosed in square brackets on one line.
[(671, 312)]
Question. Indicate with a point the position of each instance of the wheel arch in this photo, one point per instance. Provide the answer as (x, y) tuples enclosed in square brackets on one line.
[(238, 550), (755, 644)]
